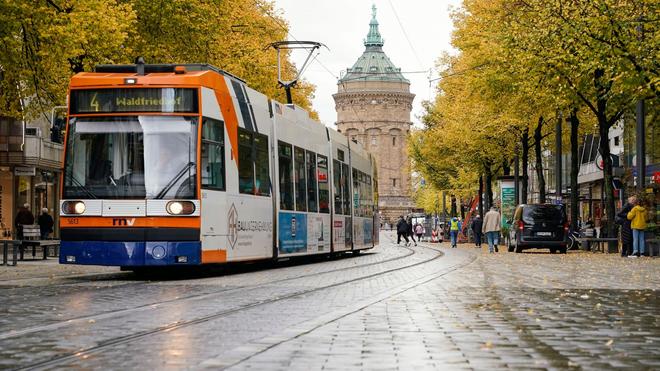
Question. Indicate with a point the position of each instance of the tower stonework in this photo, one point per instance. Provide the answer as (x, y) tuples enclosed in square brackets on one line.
[(373, 104)]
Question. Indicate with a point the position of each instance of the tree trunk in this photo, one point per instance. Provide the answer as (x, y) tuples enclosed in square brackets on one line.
[(603, 131), (506, 167), (481, 198), (575, 164), (489, 186), (539, 159), (525, 165)]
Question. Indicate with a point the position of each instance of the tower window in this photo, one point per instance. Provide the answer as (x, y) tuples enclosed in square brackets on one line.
[(394, 182), (373, 139), (393, 141)]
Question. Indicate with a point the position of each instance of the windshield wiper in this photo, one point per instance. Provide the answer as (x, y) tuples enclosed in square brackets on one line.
[(80, 185), (172, 182)]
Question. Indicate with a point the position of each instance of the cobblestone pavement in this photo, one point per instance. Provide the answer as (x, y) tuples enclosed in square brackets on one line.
[(429, 308)]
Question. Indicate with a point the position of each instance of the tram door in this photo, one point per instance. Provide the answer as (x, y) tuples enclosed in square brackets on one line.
[(342, 224)]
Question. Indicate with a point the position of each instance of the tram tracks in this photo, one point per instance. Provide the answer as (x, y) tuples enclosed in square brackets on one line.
[(108, 344), (207, 295)]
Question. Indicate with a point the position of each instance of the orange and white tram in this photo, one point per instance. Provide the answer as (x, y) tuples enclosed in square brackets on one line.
[(186, 165)]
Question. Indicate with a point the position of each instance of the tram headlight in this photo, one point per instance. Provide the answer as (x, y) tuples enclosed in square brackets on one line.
[(180, 207), (73, 207)]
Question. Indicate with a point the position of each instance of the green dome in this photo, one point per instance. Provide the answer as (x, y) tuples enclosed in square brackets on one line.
[(373, 64)]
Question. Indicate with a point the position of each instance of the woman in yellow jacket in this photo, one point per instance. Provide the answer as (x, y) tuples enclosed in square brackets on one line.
[(637, 217)]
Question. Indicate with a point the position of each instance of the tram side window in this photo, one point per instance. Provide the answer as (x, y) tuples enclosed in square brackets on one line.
[(262, 175), (311, 182), (245, 165), (213, 154), (324, 190), (301, 183), (336, 182), (285, 160), (356, 191), (370, 197), (253, 167), (346, 189)]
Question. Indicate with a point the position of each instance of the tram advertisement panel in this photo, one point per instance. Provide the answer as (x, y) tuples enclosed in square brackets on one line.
[(249, 230), (368, 231), (292, 232), (338, 233), (318, 233), (358, 227)]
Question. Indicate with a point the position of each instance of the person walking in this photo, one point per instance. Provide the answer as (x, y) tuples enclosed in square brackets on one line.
[(402, 230), (411, 232), (491, 226), (454, 227), (46, 223), (626, 230), (638, 217), (23, 217), (477, 224), (419, 231)]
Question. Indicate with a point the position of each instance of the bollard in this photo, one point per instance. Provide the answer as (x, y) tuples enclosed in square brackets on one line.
[(15, 253), (5, 252)]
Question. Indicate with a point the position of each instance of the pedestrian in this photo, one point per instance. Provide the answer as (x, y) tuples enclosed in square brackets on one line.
[(477, 223), (491, 226), (402, 230), (638, 218), (411, 233), (23, 217), (626, 231), (419, 231), (46, 223), (454, 228)]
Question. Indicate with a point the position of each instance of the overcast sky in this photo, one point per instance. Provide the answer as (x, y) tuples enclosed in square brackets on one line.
[(342, 25)]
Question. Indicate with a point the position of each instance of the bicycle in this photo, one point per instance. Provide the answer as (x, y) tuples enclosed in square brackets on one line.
[(574, 240)]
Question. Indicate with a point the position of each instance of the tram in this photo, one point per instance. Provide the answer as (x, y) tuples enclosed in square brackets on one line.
[(180, 165)]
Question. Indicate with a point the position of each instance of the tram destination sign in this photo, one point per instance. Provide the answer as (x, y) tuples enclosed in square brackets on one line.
[(180, 100)]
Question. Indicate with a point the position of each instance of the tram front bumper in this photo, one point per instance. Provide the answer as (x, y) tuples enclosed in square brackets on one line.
[(130, 254)]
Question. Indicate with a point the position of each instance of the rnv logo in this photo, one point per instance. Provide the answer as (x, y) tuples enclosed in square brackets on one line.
[(123, 222)]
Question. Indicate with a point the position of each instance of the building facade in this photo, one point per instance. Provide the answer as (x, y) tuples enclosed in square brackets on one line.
[(30, 168), (373, 104)]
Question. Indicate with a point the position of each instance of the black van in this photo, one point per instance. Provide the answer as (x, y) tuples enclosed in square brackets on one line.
[(539, 226)]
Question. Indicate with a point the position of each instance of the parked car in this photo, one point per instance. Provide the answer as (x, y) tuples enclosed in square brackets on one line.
[(538, 226)]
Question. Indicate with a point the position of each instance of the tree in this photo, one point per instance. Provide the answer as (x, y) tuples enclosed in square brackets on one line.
[(593, 49), (45, 42)]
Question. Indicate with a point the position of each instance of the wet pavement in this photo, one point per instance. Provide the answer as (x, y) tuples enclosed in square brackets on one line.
[(427, 307)]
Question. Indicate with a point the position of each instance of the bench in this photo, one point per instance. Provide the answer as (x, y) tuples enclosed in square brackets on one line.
[(32, 238), (599, 243)]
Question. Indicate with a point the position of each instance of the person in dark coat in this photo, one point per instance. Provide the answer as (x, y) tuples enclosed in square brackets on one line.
[(402, 230), (626, 230), (411, 232), (23, 217), (477, 223), (46, 223)]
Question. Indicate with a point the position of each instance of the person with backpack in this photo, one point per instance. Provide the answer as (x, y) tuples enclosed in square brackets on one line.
[(638, 218), (402, 230), (626, 230), (419, 231), (454, 228), (411, 232), (477, 224), (492, 226), (46, 223)]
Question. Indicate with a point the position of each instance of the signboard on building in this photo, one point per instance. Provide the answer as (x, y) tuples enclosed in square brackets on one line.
[(24, 171), (655, 178)]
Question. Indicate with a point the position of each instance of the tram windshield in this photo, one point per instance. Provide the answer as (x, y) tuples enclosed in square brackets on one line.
[(131, 157)]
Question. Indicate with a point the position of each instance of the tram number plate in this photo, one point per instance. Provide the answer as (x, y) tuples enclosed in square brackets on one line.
[(73, 220)]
